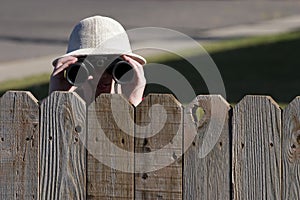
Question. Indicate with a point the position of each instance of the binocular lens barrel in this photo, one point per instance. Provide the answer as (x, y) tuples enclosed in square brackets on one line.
[(122, 72), (78, 72)]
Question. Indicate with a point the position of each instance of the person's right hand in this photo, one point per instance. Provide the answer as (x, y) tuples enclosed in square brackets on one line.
[(57, 80)]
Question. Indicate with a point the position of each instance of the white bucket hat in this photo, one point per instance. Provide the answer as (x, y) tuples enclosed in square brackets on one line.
[(99, 35)]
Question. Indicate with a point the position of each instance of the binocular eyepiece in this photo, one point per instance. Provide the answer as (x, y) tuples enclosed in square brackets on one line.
[(78, 72)]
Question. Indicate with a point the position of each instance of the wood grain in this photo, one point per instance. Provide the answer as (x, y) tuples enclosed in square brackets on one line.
[(256, 148), (207, 141), (158, 148), (62, 153), (19, 133), (110, 148), (291, 151), (136, 153)]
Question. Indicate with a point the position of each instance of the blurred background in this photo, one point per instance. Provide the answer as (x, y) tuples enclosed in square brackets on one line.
[(255, 44)]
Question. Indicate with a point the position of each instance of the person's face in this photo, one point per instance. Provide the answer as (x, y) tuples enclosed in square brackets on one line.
[(105, 84), (101, 82)]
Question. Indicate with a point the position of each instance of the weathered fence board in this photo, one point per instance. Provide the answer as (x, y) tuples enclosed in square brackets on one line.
[(158, 148), (207, 141), (256, 148), (110, 148), (19, 133), (291, 151), (62, 153)]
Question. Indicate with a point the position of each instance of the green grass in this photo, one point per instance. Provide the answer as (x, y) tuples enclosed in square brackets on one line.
[(228, 45), (251, 42), (267, 65), (37, 85), (270, 65)]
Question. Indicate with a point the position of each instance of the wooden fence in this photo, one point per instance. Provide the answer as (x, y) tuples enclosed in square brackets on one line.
[(250, 151)]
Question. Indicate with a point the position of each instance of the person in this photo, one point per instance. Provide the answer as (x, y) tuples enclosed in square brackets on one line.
[(106, 38)]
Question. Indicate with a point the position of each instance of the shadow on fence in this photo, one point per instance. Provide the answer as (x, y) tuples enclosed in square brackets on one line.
[(62, 149)]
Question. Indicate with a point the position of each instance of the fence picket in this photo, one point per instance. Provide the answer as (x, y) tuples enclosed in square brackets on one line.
[(110, 138), (256, 148), (291, 151), (158, 143), (207, 141), (19, 133), (62, 153)]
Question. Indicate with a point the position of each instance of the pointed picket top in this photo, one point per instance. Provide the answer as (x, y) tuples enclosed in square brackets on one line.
[(200, 98), (258, 98), (291, 150), (210, 111), (111, 96), (64, 94), (120, 108), (293, 104), (207, 104), (20, 96), (163, 99)]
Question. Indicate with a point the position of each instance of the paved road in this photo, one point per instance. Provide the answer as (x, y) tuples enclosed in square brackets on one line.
[(34, 29)]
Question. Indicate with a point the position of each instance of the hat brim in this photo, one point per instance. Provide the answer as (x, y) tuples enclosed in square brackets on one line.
[(92, 51)]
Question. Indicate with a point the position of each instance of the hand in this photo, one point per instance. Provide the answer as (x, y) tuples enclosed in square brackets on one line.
[(57, 80), (135, 89)]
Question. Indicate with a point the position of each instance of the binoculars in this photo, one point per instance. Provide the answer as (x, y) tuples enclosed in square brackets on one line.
[(78, 72)]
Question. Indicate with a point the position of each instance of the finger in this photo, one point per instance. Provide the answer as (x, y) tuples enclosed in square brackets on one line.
[(62, 60), (132, 61), (137, 67), (61, 66), (139, 76), (72, 89)]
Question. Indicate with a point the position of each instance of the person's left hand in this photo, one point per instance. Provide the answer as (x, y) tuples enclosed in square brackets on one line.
[(135, 89)]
